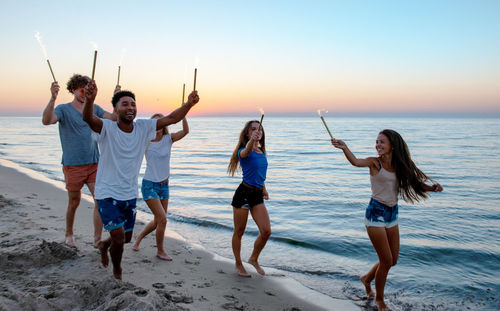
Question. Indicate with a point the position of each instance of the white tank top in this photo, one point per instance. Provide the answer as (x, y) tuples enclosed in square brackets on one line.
[(158, 159), (385, 187)]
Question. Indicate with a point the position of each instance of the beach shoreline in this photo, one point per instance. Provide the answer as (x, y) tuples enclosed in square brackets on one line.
[(38, 270)]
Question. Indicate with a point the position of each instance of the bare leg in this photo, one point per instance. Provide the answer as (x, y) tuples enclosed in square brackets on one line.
[(103, 247), (380, 241), (240, 217), (367, 280), (161, 224), (116, 251), (261, 218), (73, 202), (98, 225)]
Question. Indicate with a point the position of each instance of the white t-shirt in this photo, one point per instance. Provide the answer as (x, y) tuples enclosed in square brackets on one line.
[(121, 158), (158, 159)]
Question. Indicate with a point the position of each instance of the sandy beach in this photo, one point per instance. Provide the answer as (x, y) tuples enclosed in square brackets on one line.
[(39, 272)]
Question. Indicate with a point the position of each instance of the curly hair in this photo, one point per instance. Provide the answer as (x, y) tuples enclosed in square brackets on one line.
[(77, 81), (118, 95)]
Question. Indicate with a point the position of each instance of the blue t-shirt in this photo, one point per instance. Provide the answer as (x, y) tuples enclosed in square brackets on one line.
[(78, 146), (254, 168)]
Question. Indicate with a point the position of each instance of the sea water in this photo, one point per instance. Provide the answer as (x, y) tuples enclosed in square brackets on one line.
[(450, 243)]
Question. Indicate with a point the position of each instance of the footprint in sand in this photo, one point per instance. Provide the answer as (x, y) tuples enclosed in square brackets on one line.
[(158, 285), (141, 293)]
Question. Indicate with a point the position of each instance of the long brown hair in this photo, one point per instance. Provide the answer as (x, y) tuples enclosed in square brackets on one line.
[(165, 129), (410, 177), (242, 142)]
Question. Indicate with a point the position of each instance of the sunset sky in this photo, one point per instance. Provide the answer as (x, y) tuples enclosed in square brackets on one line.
[(288, 57)]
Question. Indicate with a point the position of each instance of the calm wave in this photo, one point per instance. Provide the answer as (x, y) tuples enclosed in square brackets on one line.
[(450, 243)]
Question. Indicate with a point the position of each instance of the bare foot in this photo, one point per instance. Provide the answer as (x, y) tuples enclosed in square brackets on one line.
[(368, 288), (381, 306), (70, 241), (257, 267), (164, 256), (117, 273), (241, 271), (96, 241), (136, 244), (103, 248)]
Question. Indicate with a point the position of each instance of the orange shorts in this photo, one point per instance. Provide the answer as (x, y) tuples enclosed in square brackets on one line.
[(76, 176)]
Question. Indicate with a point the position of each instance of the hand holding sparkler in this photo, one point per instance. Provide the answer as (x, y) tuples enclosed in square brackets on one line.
[(90, 92), (193, 98), (54, 90), (118, 88)]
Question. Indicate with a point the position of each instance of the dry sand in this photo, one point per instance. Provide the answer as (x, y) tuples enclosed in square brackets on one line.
[(39, 272)]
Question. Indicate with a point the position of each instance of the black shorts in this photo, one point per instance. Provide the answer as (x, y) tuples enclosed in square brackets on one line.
[(246, 197)]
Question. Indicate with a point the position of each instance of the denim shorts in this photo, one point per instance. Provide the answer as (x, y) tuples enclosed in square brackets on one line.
[(380, 215), (245, 197), (116, 213), (154, 190)]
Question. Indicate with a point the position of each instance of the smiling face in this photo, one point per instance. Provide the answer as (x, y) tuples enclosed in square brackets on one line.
[(383, 145), (126, 109)]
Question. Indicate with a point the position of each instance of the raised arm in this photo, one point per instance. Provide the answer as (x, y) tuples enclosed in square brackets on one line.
[(180, 134), (249, 147), (93, 121), (179, 113), (48, 116), (368, 162)]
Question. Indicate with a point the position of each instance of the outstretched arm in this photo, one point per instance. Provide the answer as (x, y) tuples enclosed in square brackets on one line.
[(249, 147), (180, 134), (368, 162), (48, 116), (179, 113), (432, 188), (93, 121)]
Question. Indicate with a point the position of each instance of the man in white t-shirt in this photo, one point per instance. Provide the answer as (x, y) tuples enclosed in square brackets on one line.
[(122, 145)]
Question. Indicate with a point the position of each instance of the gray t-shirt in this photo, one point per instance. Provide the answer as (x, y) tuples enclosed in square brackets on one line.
[(78, 146)]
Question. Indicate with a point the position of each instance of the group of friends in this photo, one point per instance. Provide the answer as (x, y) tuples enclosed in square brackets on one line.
[(104, 150)]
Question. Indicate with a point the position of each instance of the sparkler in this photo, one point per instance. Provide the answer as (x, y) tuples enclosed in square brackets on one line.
[(326, 126), (44, 51)]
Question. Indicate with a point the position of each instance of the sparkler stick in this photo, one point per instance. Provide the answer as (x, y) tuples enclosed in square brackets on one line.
[(194, 85), (93, 67), (52, 72), (118, 82), (326, 126), (183, 92), (261, 118)]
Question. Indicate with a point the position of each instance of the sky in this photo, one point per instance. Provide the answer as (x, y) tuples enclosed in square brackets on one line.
[(288, 57)]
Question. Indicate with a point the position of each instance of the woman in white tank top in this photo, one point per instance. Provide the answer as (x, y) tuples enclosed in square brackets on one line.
[(155, 190), (392, 173)]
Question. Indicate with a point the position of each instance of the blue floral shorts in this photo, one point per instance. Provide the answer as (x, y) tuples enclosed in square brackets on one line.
[(380, 215), (116, 213), (154, 190)]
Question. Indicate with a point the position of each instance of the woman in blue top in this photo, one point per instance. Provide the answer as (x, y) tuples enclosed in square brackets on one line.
[(251, 154)]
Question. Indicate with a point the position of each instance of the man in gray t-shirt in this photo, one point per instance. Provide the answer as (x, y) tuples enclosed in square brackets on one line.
[(80, 152)]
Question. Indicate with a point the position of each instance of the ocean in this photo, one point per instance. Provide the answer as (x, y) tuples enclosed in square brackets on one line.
[(450, 243)]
